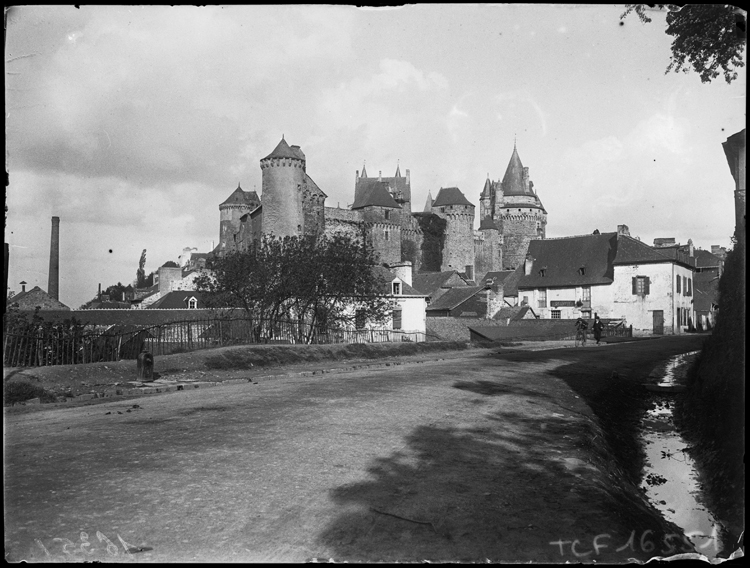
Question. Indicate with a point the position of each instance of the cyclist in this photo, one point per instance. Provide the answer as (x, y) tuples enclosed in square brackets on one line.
[(581, 327)]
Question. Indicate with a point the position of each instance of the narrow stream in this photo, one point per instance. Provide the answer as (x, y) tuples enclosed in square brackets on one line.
[(669, 476)]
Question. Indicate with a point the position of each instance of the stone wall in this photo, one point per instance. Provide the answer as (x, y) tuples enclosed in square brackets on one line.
[(283, 183), (458, 248)]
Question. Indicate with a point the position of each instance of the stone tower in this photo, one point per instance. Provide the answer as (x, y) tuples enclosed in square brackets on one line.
[(458, 249), (516, 209), (231, 211), (283, 182)]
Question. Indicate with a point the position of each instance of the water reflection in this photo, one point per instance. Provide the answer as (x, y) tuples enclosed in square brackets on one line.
[(669, 477)]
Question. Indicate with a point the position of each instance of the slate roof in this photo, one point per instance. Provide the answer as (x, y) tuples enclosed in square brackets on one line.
[(513, 178), (633, 251), (36, 292), (514, 313), (314, 186), (562, 259), (177, 300), (450, 196), (497, 276), (429, 282), (510, 284), (241, 197), (454, 297), (389, 277), (283, 150), (705, 259), (375, 193)]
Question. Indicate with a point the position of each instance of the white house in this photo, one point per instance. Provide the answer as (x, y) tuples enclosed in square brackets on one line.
[(612, 275), (407, 318)]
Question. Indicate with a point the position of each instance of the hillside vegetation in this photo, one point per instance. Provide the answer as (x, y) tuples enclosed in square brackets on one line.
[(713, 412)]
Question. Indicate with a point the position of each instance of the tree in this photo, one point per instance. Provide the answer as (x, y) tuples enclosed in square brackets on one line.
[(318, 282), (709, 37), (140, 274)]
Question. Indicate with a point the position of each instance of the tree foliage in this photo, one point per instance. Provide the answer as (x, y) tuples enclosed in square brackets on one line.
[(140, 274), (433, 234), (321, 282), (710, 38)]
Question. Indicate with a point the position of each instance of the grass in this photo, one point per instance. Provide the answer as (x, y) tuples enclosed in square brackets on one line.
[(17, 391), (274, 355)]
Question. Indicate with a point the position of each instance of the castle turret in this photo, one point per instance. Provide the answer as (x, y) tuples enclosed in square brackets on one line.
[(283, 182), (458, 248), (239, 203)]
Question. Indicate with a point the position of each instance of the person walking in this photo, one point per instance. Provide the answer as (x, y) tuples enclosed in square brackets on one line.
[(581, 327), (598, 327)]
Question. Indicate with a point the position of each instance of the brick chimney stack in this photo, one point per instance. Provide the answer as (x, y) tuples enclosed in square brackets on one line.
[(53, 286)]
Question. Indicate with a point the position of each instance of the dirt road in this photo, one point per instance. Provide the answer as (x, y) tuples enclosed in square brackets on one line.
[(494, 455)]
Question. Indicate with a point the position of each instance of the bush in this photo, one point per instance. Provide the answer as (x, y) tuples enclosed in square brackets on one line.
[(19, 392)]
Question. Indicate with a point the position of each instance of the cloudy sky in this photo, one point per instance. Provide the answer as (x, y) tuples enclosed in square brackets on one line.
[(132, 124)]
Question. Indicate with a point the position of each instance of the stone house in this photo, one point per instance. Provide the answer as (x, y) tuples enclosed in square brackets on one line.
[(435, 284), (613, 275), (36, 297)]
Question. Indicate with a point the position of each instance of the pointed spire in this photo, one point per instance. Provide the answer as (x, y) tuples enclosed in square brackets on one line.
[(398, 169), (364, 171), (428, 204), (513, 179)]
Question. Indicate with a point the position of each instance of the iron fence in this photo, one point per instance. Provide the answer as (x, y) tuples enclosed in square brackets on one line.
[(58, 346)]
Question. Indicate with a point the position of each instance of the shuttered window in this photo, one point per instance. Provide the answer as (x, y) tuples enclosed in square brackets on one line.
[(396, 319), (641, 285), (678, 284)]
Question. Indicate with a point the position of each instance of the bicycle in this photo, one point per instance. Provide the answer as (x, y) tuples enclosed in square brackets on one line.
[(581, 338)]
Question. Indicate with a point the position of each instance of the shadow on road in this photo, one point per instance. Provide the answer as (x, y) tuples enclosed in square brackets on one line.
[(470, 495)]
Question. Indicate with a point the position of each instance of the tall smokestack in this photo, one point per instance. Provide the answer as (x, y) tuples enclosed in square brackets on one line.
[(53, 287)]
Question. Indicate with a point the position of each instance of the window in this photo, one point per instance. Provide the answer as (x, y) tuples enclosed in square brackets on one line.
[(542, 299), (397, 288), (359, 319), (396, 319), (586, 314), (542, 271), (582, 271), (193, 303), (641, 285), (586, 293), (689, 286), (679, 280), (556, 314), (387, 214), (525, 301), (387, 235), (684, 285)]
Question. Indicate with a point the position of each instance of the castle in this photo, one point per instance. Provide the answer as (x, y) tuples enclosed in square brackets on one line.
[(440, 238)]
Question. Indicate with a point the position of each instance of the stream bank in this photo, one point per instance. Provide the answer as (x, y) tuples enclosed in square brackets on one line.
[(672, 481)]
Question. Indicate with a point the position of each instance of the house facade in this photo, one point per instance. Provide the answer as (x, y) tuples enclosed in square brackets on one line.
[(612, 275)]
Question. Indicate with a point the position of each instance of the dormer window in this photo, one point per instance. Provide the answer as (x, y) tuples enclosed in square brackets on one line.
[(582, 271), (192, 303), (397, 288), (543, 272)]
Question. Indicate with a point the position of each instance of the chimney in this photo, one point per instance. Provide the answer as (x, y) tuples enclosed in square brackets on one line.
[(469, 269), (23, 286), (100, 292), (380, 175), (691, 248), (408, 178), (623, 230), (53, 286), (403, 270), (527, 265)]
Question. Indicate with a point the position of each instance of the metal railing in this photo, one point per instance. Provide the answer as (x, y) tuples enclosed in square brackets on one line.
[(91, 344)]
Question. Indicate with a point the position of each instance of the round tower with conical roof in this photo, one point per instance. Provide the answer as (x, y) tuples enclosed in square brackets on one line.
[(515, 207), (283, 183), (458, 247), (231, 210)]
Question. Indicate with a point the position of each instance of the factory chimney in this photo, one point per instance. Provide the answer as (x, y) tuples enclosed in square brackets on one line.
[(53, 287)]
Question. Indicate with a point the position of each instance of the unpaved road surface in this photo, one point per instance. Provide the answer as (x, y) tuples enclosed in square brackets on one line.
[(487, 455)]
